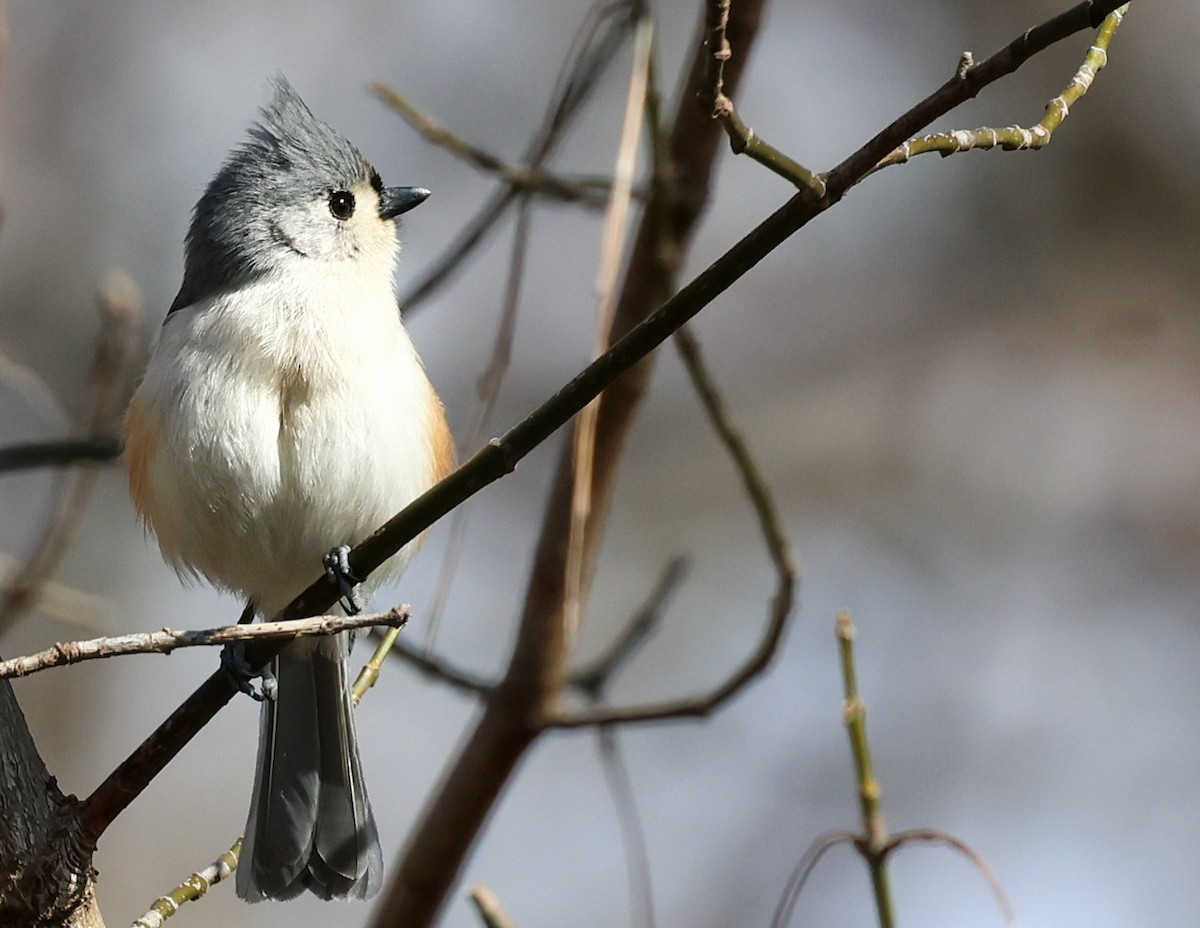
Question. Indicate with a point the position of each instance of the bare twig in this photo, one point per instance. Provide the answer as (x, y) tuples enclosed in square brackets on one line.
[(593, 678), (743, 139), (65, 453), (488, 392), (804, 869), (588, 191), (191, 889), (612, 246), (872, 843), (118, 359), (487, 904), (965, 85), (777, 547), (1015, 138), (439, 669), (593, 50), (633, 833), (932, 836), (502, 734), (167, 640)]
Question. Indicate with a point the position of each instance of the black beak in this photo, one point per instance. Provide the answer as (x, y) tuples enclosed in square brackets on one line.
[(396, 200)]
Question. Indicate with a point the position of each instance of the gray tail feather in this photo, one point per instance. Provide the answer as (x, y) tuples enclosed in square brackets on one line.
[(310, 824)]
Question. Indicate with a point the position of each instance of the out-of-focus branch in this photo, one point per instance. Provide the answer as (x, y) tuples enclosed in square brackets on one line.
[(487, 904), (487, 390), (593, 678), (31, 386), (443, 670), (612, 247), (593, 51), (66, 453), (932, 836), (120, 354), (778, 549), (167, 640), (589, 191), (808, 862), (514, 716)]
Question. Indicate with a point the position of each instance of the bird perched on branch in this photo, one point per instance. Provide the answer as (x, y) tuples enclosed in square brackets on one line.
[(285, 415)]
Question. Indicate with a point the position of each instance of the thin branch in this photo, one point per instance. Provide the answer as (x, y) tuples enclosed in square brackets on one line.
[(592, 52), (743, 139), (808, 863), (633, 833), (63, 603), (593, 678), (872, 843), (191, 889), (511, 720), (1015, 138), (167, 640), (612, 247), (932, 836), (777, 547), (487, 904), (487, 390), (118, 359), (65, 453), (589, 191), (500, 737), (443, 671), (965, 85)]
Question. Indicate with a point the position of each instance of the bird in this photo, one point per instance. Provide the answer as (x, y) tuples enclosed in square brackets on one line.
[(285, 414)]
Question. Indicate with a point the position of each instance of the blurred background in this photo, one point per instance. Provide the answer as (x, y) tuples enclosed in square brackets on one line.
[(973, 387)]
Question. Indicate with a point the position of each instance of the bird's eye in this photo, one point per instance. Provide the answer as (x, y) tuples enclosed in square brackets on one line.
[(341, 204)]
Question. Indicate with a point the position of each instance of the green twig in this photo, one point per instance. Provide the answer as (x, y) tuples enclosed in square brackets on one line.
[(742, 139), (872, 844), (191, 889), (1016, 138)]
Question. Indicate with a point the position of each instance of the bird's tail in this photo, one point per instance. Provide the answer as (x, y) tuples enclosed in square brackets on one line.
[(310, 824)]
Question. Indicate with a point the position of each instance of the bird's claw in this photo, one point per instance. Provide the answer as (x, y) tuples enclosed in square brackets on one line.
[(234, 663), (337, 569)]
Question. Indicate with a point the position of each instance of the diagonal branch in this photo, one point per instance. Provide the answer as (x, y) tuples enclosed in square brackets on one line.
[(590, 191), (777, 546), (505, 732)]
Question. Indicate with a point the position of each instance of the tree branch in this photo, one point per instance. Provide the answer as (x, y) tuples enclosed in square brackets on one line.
[(507, 728), (1016, 138), (118, 359), (777, 547), (65, 453), (167, 640)]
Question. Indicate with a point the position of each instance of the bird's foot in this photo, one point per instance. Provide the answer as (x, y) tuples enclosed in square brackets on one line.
[(337, 569), (234, 663)]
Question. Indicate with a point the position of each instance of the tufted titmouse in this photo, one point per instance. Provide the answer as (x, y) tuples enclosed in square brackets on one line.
[(285, 412)]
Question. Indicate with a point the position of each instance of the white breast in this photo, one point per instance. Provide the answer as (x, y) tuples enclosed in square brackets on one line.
[(292, 416)]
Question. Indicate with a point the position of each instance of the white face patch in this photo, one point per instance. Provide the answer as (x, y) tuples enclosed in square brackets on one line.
[(312, 230)]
